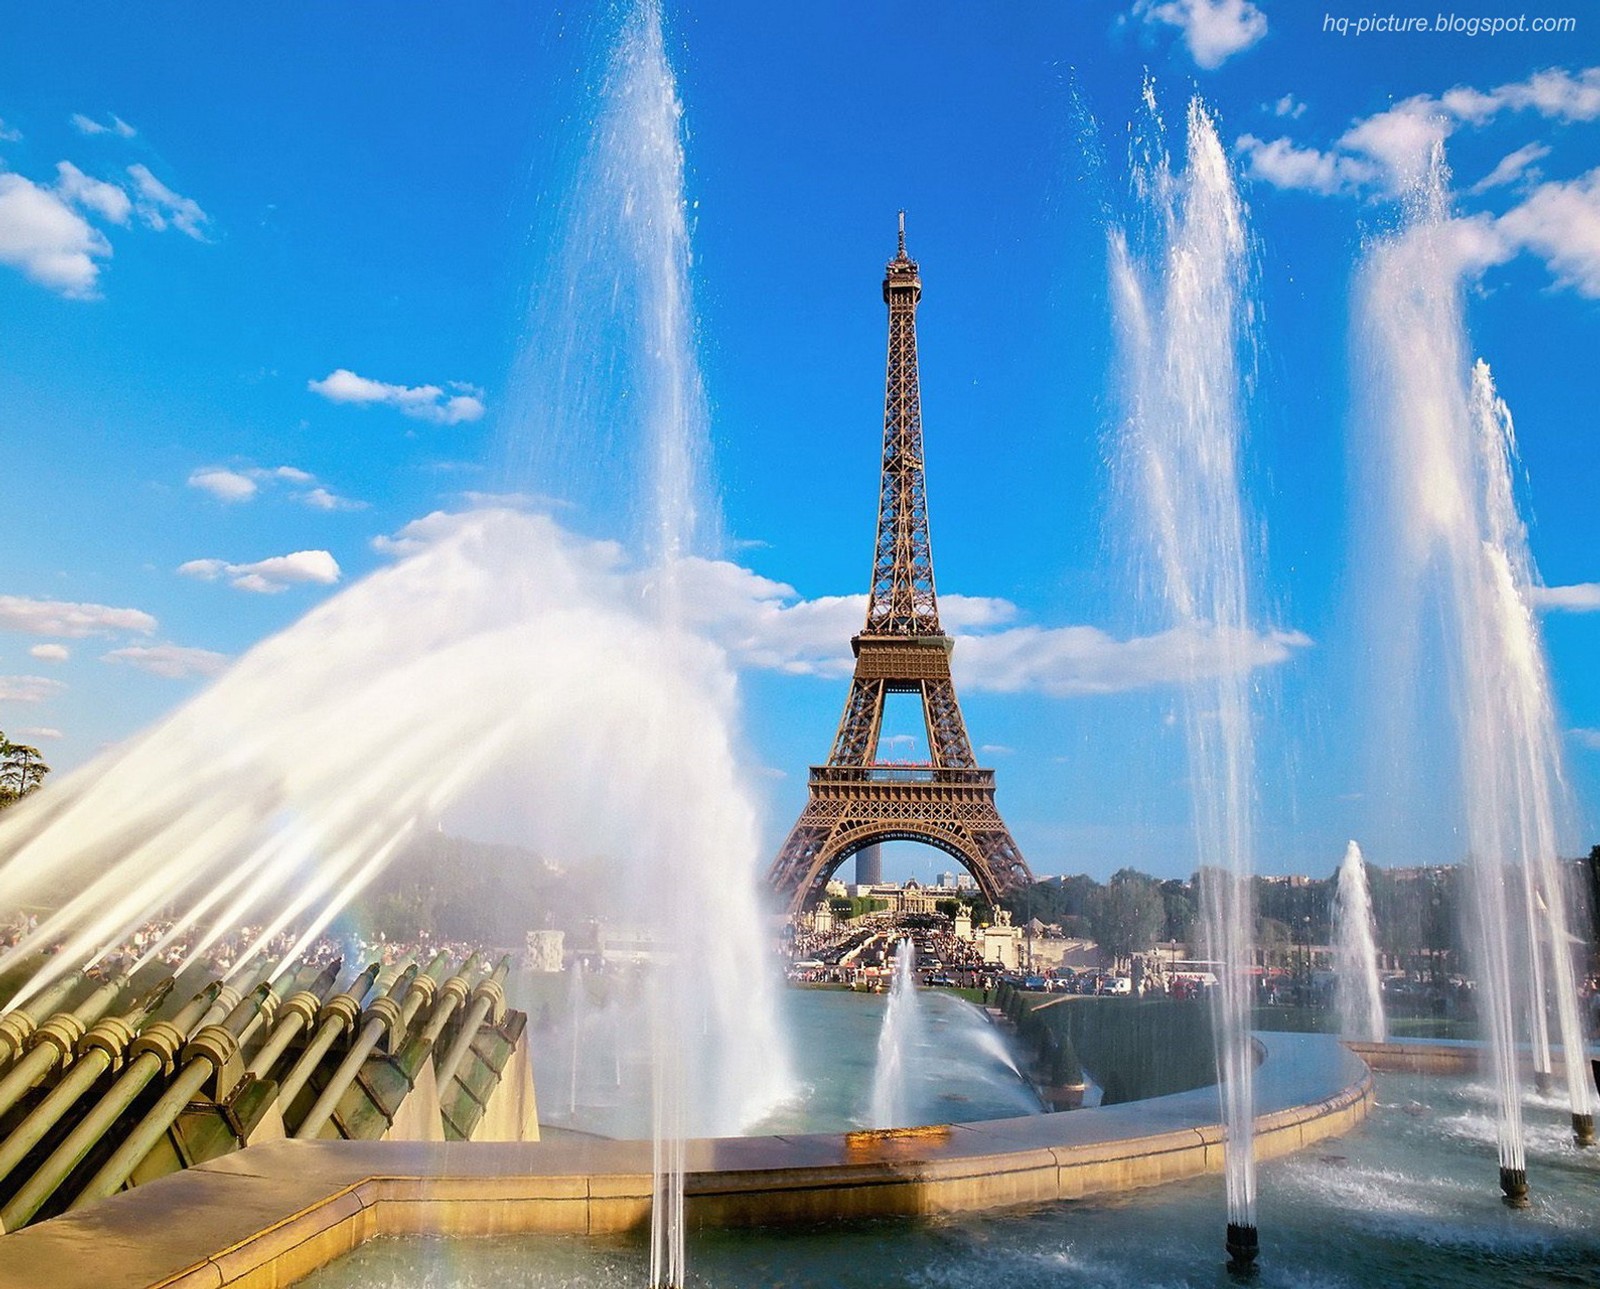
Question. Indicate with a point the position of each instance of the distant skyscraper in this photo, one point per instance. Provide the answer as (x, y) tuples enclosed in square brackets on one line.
[(869, 866)]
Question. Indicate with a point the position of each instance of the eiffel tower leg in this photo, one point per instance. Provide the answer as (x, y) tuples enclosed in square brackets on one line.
[(793, 876)]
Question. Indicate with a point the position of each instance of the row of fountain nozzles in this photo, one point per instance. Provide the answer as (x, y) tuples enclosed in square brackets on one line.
[(200, 1051)]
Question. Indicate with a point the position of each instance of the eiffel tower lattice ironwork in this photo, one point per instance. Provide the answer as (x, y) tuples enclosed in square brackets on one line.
[(855, 799)]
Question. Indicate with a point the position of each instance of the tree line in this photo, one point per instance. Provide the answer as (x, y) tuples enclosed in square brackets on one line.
[(1417, 912)]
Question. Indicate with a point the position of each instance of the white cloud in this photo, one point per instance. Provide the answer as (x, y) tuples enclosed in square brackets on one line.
[(223, 484), (88, 125), (1287, 106), (1586, 738), (1214, 30), (764, 624), (1286, 165), (50, 652), (95, 195), (1395, 144), (9, 135), (1067, 661), (424, 402), (243, 484), (28, 689), (49, 241), (1555, 93), (1581, 597), (37, 731), (321, 499), (1399, 142), (161, 208), (268, 576), (1560, 223), (175, 662), (1512, 167), (64, 618)]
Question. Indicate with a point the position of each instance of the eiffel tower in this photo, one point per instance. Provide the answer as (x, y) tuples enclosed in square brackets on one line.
[(856, 800)]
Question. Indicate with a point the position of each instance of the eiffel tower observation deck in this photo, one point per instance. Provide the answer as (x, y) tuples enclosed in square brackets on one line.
[(857, 800)]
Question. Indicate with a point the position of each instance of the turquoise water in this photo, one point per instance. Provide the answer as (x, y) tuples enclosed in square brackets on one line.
[(956, 1071), (1410, 1199)]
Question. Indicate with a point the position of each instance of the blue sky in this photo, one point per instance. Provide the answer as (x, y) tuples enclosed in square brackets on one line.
[(265, 276)]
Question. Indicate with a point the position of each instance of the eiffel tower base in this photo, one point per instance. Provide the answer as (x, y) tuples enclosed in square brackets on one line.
[(852, 807)]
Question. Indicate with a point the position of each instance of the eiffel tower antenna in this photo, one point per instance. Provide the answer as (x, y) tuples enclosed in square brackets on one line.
[(855, 800)]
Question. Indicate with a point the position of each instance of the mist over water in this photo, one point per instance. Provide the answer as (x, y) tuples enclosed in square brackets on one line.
[(503, 667), (1182, 312), (1448, 572)]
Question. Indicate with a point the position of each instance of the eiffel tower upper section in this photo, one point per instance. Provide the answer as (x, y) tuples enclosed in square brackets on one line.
[(903, 601)]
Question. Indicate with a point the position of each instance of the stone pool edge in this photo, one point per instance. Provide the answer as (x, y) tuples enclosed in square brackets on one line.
[(272, 1214)]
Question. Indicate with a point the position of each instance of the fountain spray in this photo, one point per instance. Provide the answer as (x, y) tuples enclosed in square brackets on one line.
[(1180, 309), (902, 1025), (1449, 564), (1360, 992)]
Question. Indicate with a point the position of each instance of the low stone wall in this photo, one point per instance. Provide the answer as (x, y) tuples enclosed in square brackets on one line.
[(1134, 1048), (272, 1213), (1445, 1057)]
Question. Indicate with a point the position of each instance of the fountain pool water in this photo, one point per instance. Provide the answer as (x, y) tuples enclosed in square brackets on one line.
[(1399, 1201), (957, 1067)]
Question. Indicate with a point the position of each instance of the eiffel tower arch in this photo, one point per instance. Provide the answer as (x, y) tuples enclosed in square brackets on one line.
[(856, 800)]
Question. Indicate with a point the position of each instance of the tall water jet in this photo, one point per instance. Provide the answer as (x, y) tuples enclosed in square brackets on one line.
[(610, 384), (1360, 992), (902, 1028), (576, 1006), (1179, 296), (1449, 569)]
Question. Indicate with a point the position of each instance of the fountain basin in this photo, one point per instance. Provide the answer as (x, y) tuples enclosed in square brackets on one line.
[(275, 1212)]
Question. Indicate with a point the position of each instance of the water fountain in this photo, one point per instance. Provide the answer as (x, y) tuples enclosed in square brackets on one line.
[(1446, 543), (1360, 992), (577, 1006), (595, 742), (1180, 306), (901, 1032)]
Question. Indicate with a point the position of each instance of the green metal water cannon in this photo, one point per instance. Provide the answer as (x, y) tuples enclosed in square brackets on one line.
[(488, 1000), (102, 1048), (18, 1024), (154, 1052), (386, 1017), (55, 1042), (296, 1014), (452, 994), (210, 1063), (338, 1017)]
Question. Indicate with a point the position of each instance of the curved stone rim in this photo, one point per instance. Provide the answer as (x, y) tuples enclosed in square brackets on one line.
[(273, 1213)]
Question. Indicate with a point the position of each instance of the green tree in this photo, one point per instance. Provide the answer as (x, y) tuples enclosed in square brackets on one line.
[(1127, 914), (22, 770), (1177, 898)]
